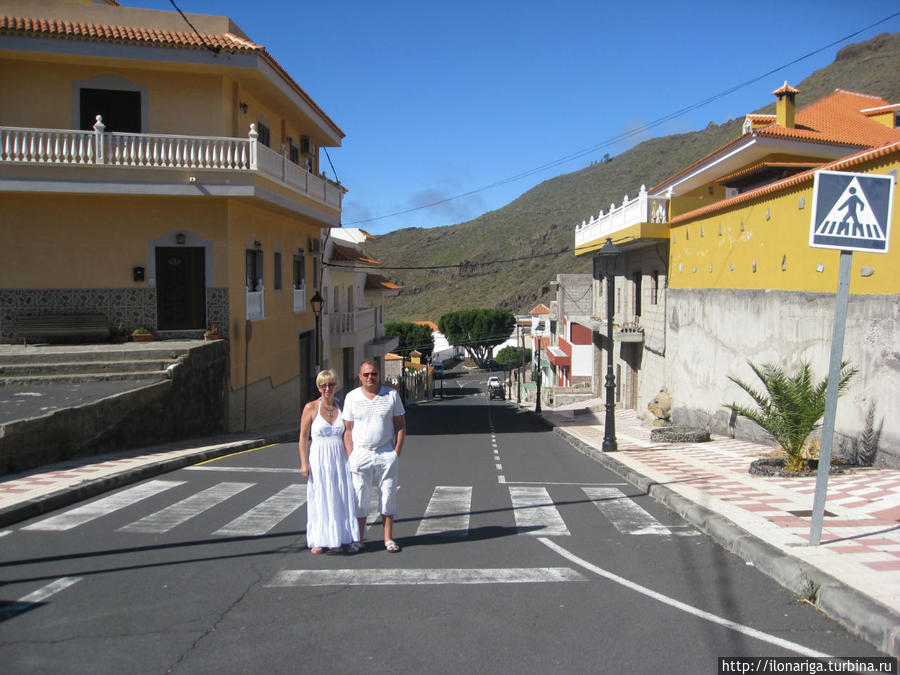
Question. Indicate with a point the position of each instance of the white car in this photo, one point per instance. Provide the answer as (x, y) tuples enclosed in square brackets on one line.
[(495, 388)]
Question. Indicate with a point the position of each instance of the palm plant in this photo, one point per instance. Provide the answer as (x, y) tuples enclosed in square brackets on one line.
[(790, 406)]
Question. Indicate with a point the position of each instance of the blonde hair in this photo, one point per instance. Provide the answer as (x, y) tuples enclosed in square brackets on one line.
[(326, 376)]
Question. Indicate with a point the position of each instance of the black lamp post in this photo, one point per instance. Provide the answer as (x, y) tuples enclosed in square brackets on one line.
[(609, 253), (316, 301), (539, 375)]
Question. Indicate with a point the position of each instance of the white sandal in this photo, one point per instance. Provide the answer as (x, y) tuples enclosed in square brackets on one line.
[(391, 546)]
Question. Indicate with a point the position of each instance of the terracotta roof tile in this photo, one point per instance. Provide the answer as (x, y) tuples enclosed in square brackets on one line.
[(540, 309), (377, 282), (349, 254), (835, 119), (842, 164), (115, 34)]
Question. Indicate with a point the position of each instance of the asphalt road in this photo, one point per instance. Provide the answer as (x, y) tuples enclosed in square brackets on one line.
[(519, 555)]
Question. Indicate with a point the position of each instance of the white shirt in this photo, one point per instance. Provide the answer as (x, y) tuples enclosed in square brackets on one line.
[(373, 420)]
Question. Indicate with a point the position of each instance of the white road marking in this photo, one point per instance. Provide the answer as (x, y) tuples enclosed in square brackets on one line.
[(104, 506), (247, 469), (180, 512), (447, 512), (419, 577), (536, 513), (624, 514), (677, 604), (5, 532), (41, 594), (267, 514)]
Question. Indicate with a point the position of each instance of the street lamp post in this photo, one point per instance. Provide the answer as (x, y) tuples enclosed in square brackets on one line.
[(316, 301), (540, 376), (609, 253)]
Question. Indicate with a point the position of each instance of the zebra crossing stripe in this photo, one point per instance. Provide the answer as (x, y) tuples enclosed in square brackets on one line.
[(421, 577), (535, 512), (267, 514), (447, 512), (28, 601), (626, 516), (180, 512), (102, 507)]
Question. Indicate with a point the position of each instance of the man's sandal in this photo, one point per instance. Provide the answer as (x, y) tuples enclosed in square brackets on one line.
[(317, 550), (391, 546), (355, 547)]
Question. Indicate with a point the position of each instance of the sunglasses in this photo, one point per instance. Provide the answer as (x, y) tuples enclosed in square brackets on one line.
[(327, 385), (369, 374)]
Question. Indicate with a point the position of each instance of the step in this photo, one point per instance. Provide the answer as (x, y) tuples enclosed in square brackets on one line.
[(82, 367), (35, 380), (18, 354)]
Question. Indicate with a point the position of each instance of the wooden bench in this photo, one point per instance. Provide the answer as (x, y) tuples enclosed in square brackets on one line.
[(62, 326)]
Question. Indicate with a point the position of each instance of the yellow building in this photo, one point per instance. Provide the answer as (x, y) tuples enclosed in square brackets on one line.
[(166, 179), (741, 280)]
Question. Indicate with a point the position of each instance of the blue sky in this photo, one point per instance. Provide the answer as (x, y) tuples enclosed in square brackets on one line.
[(446, 99)]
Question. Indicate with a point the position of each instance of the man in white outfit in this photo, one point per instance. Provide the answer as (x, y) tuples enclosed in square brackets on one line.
[(374, 431)]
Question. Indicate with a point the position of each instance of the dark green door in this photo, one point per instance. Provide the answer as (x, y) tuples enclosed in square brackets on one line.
[(180, 288)]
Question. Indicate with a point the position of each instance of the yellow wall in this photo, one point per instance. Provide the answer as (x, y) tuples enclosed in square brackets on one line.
[(93, 242), (720, 250), (274, 344)]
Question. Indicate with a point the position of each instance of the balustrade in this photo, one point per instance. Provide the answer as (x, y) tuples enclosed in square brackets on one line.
[(67, 147), (641, 209)]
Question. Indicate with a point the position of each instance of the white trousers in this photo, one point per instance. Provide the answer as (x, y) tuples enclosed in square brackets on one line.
[(378, 469)]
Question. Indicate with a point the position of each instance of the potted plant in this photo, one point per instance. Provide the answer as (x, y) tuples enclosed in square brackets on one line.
[(141, 334), (118, 333), (212, 333)]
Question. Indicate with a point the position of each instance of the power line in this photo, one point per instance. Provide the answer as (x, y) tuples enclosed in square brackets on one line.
[(625, 135), (456, 265), (215, 49)]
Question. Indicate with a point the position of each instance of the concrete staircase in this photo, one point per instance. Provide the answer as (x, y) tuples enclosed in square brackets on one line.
[(66, 364), (171, 390)]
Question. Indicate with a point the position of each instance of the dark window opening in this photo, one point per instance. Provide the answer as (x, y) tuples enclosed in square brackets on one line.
[(121, 110)]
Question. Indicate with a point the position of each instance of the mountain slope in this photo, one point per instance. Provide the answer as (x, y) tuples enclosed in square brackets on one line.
[(542, 221)]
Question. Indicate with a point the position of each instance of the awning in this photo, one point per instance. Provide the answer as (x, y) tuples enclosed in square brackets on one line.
[(558, 357)]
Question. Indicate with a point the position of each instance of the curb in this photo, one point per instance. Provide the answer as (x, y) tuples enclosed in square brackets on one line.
[(876, 623), (91, 488)]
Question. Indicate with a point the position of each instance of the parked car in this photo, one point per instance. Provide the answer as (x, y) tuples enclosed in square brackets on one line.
[(438, 370), (495, 388), (492, 364)]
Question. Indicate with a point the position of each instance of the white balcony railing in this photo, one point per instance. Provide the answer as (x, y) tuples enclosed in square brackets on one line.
[(353, 322), (641, 209), (256, 307), (300, 299), (66, 147)]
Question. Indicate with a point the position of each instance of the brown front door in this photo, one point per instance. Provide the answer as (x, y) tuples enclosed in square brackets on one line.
[(180, 288)]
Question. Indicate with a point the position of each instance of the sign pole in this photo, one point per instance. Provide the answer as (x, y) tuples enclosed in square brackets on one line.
[(831, 397)]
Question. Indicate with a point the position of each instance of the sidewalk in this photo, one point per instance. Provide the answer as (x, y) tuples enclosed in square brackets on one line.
[(853, 576)]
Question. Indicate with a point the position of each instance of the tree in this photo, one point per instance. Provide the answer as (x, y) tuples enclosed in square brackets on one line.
[(412, 336), (477, 331), (791, 407), (511, 357)]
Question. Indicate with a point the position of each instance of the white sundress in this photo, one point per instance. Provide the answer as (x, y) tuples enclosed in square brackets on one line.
[(330, 502)]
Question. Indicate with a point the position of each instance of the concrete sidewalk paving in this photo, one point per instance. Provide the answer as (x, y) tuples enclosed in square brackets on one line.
[(853, 575)]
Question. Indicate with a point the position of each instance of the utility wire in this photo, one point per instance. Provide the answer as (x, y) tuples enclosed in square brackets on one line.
[(625, 135), (215, 49), (464, 264)]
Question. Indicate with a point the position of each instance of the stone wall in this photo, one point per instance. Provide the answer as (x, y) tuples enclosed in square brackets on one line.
[(712, 334), (191, 403)]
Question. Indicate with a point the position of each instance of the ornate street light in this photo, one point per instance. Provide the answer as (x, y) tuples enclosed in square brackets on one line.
[(316, 301), (609, 253)]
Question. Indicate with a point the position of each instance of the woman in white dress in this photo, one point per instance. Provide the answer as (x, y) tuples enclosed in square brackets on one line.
[(330, 506)]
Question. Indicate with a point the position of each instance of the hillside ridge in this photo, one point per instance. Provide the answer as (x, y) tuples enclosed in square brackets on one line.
[(537, 229)]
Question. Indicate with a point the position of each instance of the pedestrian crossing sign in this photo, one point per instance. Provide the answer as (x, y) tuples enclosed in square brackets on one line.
[(851, 211)]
